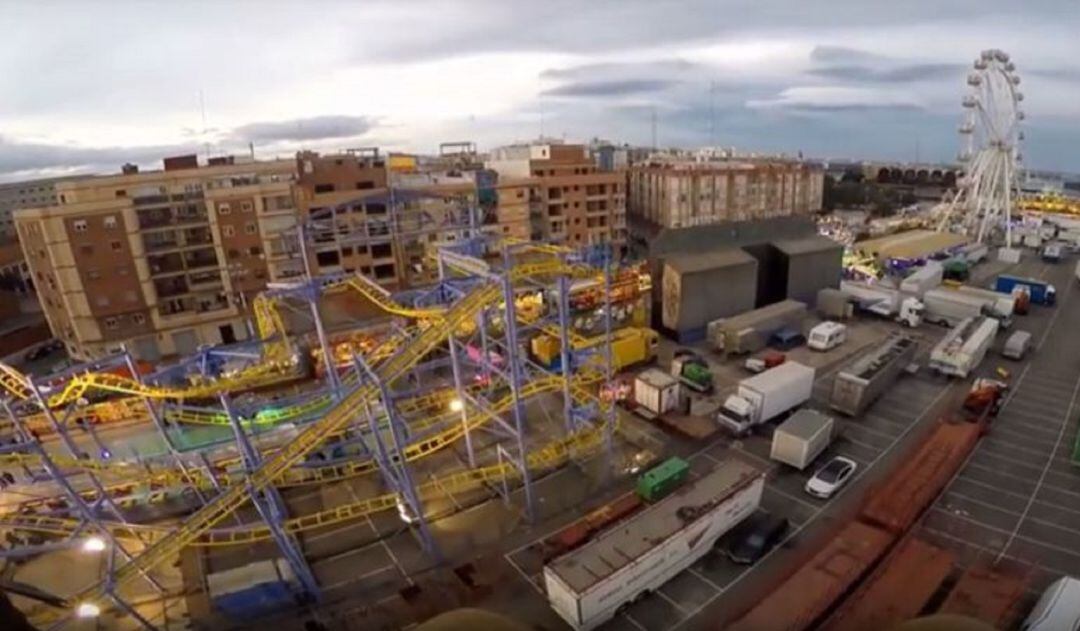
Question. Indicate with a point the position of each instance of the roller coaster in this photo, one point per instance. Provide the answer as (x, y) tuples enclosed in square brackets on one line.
[(360, 409)]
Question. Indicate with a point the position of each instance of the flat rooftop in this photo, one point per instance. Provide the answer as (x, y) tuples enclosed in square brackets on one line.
[(912, 244), (626, 542)]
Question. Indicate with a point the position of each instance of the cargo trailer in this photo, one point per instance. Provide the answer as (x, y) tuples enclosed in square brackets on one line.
[(834, 304), (766, 396), (749, 332), (658, 482), (923, 279), (588, 586), (867, 378), (629, 346), (801, 438), (656, 392), (974, 253), (949, 307), (963, 348), (1041, 293)]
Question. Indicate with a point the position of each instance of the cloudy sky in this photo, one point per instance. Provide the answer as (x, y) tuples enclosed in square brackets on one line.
[(86, 86)]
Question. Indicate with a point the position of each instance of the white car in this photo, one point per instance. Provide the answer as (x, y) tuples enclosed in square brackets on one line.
[(831, 477)]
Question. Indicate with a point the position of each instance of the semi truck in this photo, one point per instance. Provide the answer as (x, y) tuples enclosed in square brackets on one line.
[(963, 348), (948, 307), (801, 438), (587, 586), (749, 332), (886, 302), (863, 381), (923, 279), (1041, 293), (766, 396), (629, 346)]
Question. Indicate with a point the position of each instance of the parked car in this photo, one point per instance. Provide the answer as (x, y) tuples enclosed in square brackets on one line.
[(1057, 608), (786, 339), (754, 537), (831, 477)]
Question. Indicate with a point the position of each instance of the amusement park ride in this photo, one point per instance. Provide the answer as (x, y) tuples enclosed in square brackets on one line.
[(451, 361)]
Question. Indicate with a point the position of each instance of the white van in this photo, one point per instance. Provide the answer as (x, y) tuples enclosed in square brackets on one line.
[(1017, 345), (1058, 608), (826, 336)]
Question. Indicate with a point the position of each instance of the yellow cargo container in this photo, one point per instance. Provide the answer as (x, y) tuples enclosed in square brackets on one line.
[(629, 346)]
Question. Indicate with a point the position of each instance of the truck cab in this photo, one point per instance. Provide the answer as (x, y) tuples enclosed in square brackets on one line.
[(737, 415), (911, 312)]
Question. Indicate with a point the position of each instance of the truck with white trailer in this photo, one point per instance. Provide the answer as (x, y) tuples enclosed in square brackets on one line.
[(588, 586), (963, 348), (949, 307), (801, 438), (764, 397), (749, 332), (923, 279), (884, 301), (859, 384)]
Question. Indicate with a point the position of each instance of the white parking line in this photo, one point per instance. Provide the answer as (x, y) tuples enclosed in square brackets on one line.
[(951, 537), (797, 500), (995, 529), (855, 441), (660, 592), (1018, 435), (703, 578), (1045, 471), (865, 428), (527, 578), (631, 620)]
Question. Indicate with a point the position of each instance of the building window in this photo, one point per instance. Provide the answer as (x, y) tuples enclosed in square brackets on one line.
[(121, 193), (223, 209), (102, 301), (250, 228), (122, 271), (347, 251), (233, 253), (86, 249), (327, 258), (116, 246), (79, 225), (254, 250), (228, 231), (138, 318), (109, 221), (93, 274), (131, 296), (365, 185), (245, 207), (324, 188), (112, 323)]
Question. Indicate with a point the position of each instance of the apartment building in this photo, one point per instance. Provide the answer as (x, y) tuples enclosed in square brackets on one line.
[(380, 222), (573, 201), (28, 194), (163, 261), (677, 192)]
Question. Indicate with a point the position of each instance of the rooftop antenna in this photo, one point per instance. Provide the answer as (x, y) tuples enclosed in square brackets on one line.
[(712, 113), (653, 127)]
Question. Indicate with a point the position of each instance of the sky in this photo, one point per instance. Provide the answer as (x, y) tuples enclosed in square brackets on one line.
[(88, 86)]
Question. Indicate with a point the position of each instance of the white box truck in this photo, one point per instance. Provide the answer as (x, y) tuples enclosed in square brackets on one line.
[(587, 587), (801, 438), (963, 348), (949, 307), (656, 392), (763, 397)]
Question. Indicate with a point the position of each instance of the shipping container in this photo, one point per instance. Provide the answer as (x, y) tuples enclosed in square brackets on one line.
[(629, 346), (923, 279), (1041, 292), (657, 392), (834, 304), (662, 479), (814, 589), (905, 494), (867, 378), (897, 591), (749, 332), (948, 307), (801, 438), (808, 265), (699, 288), (587, 586), (964, 347), (987, 595)]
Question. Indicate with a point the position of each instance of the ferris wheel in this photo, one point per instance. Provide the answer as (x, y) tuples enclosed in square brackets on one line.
[(990, 138)]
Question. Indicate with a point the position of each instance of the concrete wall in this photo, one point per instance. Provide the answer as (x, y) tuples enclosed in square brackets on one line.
[(809, 265)]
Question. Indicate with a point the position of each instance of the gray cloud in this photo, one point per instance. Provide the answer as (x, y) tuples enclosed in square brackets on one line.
[(17, 157), (303, 129), (649, 68), (896, 74), (610, 88)]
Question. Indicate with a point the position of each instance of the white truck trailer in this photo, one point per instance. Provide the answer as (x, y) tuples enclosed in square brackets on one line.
[(885, 301), (763, 397), (948, 307), (923, 279), (587, 587), (749, 332), (963, 348), (860, 384), (801, 438)]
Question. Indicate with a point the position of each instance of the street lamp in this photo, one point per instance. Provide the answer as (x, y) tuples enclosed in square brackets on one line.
[(93, 544), (456, 405), (87, 610)]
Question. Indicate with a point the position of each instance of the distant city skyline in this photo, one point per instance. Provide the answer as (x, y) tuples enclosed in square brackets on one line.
[(88, 87)]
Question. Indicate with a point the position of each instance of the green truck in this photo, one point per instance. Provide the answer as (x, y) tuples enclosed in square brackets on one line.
[(658, 482), (692, 369)]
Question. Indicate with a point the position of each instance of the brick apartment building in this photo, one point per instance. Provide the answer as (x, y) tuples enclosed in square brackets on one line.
[(678, 192), (160, 261), (571, 200)]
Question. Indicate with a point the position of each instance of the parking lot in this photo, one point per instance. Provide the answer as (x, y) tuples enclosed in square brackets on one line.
[(1016, 499)]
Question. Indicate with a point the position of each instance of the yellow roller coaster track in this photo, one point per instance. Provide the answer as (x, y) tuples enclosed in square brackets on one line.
[(550, 456), (315, 434)]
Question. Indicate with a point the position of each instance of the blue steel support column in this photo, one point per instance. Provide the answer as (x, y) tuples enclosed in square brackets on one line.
[(458, 387), (270, 506), (74, 497), (609, 426), (313, 301), (563, 286), (513, 364), (396, 470)]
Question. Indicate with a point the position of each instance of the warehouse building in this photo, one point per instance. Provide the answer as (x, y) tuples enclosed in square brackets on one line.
[(806, 266), (696, 289)]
